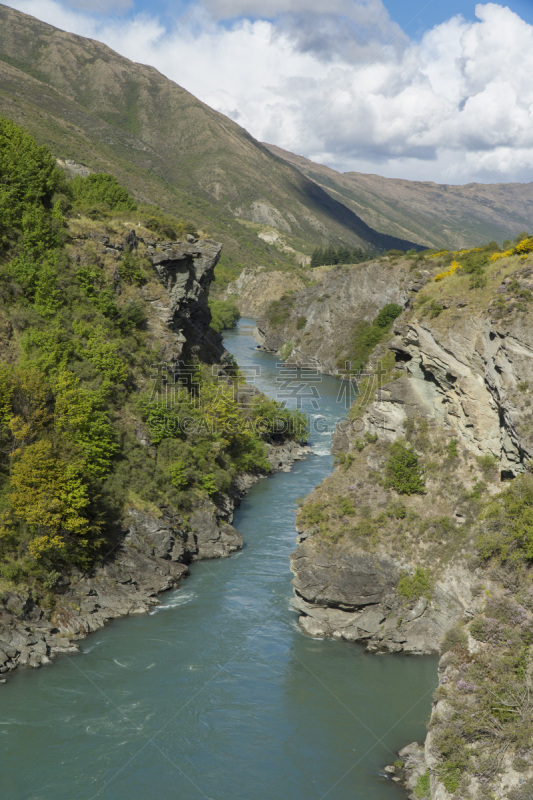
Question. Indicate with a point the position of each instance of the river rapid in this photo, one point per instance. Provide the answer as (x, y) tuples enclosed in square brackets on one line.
[(216, 694)]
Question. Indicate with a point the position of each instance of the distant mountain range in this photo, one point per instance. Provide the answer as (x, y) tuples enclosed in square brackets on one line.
[(436, 215), (98, 109)]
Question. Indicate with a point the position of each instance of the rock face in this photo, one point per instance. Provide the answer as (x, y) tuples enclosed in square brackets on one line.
[(255, 289), (351, 594), (318, 321), (186, 271), (469, 375), (151, 558)]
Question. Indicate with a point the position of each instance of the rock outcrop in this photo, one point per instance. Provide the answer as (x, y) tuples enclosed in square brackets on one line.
[(186, 271), (255, 289), (469, 374)]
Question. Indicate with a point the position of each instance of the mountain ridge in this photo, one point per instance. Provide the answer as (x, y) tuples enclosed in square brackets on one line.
[(438, 215), (92, 105)]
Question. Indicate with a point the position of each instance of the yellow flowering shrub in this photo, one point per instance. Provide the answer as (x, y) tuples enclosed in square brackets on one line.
[(496, 256), (454, 266), (525, 246)]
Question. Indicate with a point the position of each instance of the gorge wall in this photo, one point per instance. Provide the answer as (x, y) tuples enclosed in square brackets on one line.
[(416, 567), (153, 545)]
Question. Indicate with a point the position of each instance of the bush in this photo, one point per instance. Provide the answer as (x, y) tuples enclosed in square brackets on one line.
[(423, 785), (279, 311), (367, 335), (403, 472), (224, 315), (455, 638), (412, 587), (101, 189), (507, 532)]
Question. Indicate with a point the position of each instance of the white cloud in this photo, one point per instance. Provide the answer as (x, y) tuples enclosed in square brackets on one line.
[(101, 6), (455, 107)]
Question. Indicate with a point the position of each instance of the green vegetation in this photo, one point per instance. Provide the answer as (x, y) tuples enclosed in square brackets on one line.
[(367, 336), (224, 315), (423, 786), (101, 191), (403, 471), (412, 587), (507, 529), (279, 311), (326, 256), (79, 347)]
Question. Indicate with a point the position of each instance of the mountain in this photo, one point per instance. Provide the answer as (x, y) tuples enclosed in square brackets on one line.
[(437, 215), (96, 108)]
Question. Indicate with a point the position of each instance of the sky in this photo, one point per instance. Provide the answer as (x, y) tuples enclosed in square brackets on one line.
[(415, 89)]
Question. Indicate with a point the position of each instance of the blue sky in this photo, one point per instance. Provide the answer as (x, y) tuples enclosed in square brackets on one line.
[(413, 89), (417, 16)]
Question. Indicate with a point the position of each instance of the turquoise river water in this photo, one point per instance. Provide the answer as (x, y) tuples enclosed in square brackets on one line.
[(216, 694)]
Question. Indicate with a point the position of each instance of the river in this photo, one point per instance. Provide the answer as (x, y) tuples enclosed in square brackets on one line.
[(216, 694)]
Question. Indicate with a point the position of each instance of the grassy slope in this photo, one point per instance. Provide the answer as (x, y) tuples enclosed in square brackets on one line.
[(91, 105), (436, 215)]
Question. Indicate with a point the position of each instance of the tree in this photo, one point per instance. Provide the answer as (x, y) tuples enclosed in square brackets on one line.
[(49, 497)]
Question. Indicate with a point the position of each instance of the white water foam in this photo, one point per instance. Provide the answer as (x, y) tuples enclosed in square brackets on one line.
[(175, 601)]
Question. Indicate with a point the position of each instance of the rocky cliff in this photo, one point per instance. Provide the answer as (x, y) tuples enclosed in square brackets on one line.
[(314, 327), (401, 548)]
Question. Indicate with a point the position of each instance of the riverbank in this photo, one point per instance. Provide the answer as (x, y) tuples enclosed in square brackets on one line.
[(153, 556)]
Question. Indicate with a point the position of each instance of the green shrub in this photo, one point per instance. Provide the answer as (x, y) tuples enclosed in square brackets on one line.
[(412, 587), (366, 335), (345, 505), (130, 269), (279, 311), (454, 638), (403, 471), (313, 513), (301, 322), (507, 532), (423, 786), (451, 449), (101, 189), (224, 315)]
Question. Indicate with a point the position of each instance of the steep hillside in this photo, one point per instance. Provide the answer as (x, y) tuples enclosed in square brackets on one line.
[(127, 434), (90, 105), (434, 214), (422, 539)]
